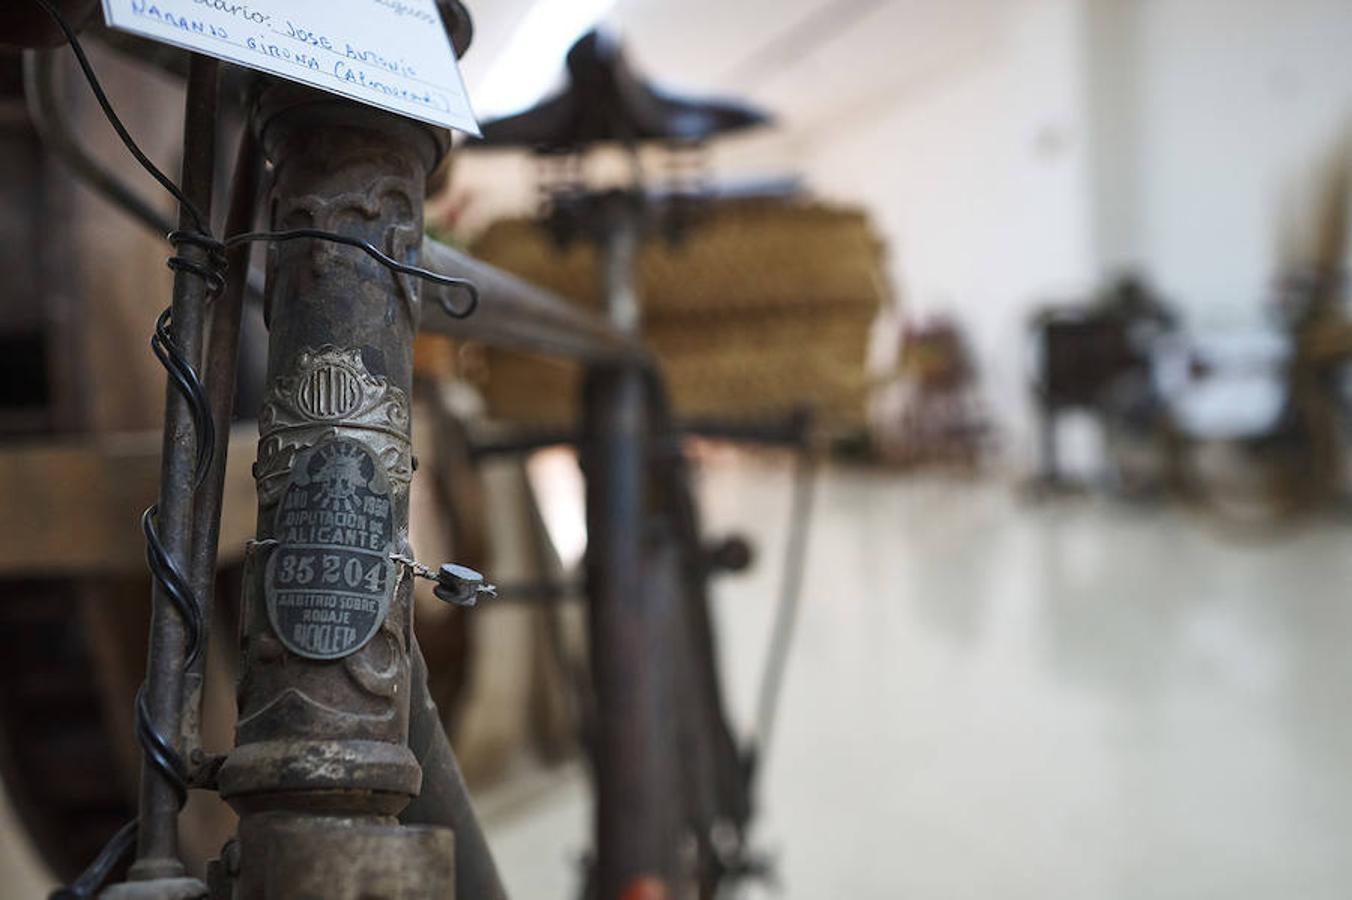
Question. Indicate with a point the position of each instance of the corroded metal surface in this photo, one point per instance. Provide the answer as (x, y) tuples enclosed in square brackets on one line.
[(515, 314), (173, 640), (330, 393), (322, 762), (327, 858)]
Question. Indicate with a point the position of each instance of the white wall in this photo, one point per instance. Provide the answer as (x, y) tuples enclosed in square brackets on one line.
[(1213, 116), (1180, 137), (979, 181)]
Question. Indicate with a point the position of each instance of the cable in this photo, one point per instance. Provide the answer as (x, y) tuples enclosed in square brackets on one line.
[(54, 129), (389, 262), (92, 878), (159, 752), (175, 584), (186, 382), (106, 105)]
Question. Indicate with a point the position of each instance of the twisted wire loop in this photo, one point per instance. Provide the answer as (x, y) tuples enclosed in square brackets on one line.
[(169, 577), (213, 272)]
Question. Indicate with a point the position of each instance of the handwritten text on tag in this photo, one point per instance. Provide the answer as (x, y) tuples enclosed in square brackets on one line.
[(393, 54)]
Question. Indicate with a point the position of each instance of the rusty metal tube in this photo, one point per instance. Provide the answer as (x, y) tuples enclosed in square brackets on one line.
[(157, 836), (322, 756), (516, 315), (221, 359), (444, 799), (634, 744)]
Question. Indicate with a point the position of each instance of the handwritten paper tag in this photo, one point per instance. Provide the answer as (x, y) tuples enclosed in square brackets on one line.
[(393, 54)]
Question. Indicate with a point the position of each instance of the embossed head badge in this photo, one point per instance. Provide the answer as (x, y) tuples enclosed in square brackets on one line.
[(340, 475), (329, 581)]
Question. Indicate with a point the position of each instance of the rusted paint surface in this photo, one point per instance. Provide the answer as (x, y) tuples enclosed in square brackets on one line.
[(313, 858), (322, 762)]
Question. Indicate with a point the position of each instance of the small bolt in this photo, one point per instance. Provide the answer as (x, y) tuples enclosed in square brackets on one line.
[(461, 585)]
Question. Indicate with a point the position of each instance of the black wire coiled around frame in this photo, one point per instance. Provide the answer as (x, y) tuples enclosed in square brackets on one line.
[(175, 585), (159, 750), (213, 271), (186, 382), (92, 878)]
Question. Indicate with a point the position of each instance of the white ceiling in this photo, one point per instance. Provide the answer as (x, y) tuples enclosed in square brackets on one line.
[(823, 68), (811, 62)]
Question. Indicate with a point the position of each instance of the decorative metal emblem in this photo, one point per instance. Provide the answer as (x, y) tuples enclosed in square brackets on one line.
[(329, 581), (331, 394), (401, 238)]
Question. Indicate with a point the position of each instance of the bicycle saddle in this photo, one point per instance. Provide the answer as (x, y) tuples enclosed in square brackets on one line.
[(606, 101)]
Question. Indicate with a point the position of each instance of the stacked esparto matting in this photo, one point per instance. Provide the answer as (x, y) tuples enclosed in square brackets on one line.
[(762, 308)]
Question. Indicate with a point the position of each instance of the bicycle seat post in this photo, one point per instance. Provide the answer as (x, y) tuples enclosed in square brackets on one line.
[(621, 217), (638, 823), (322, 765)]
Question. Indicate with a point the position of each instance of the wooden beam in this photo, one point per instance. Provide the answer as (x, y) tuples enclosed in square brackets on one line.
[(74, 508)]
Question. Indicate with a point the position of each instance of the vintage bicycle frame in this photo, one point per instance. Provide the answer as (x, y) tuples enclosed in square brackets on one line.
[(341, 772), (340, 757)]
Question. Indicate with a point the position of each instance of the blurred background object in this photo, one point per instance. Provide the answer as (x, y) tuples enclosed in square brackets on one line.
[(1095, 357), (1006, 152), (761, 307), (931, 412)]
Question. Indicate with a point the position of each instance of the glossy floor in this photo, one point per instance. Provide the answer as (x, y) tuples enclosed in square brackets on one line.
[(995, 700)]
